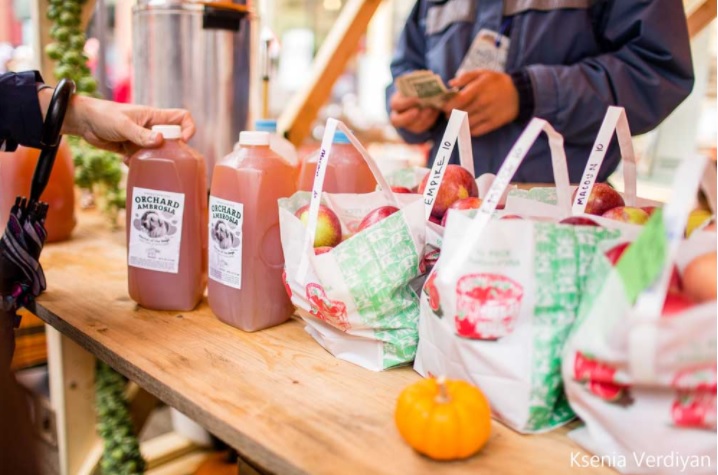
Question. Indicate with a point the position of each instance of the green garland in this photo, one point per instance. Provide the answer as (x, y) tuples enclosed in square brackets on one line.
[(121, 454), (99, 172)]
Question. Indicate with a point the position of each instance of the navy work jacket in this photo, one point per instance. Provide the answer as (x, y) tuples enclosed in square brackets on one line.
[(580, 56)]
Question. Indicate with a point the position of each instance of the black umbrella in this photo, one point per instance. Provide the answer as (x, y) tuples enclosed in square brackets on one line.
[(21, 276)]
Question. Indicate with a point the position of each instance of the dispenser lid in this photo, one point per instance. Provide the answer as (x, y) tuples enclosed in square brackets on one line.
[(265, 125), (168, 131), (340, 137), (253, 138)]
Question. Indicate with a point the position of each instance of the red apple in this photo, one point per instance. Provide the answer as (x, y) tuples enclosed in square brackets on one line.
[(457, 184), (627, 214), (329, 229), (400, 189), (511, 216), (676, 303), (579, 221), (601, 199), (375, 216), (322, 250), (614, 254), (649, 209), (464, 203)]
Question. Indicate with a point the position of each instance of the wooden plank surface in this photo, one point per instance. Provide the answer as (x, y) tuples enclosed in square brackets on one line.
[(276, 396), (72, 395)]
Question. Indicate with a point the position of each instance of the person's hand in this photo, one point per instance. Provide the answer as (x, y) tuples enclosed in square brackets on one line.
[(408, 115), (120, 128), (489, 97)]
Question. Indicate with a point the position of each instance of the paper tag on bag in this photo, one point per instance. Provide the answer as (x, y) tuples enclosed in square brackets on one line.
[(506, 173), (614, 121), (489, 50)]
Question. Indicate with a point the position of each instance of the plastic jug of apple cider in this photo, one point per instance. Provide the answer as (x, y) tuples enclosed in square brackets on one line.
[(245, 287), (167, 224), (16, 170), (346, 172)]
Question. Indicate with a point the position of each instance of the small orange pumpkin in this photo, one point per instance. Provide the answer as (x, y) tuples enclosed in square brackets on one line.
[(444, 420)]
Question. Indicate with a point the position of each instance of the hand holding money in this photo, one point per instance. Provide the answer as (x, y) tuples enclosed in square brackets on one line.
[(407, 114), (426, 86)]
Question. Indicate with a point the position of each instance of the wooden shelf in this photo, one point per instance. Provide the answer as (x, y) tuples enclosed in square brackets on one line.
[(276, 396)]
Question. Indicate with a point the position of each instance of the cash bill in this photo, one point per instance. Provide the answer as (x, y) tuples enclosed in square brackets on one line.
[(427, 86)]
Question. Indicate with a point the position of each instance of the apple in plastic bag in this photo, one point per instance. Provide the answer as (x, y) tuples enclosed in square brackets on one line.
[(329, 229), (627, 214), (579, 221), (601, 199), (699, 278), (457, 184), (375, 216), (465, 203)]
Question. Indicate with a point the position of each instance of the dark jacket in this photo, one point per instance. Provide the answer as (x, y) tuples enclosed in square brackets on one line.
[(20, 115), (576, 57)]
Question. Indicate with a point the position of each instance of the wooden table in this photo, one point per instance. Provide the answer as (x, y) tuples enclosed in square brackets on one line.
[(283, 402)]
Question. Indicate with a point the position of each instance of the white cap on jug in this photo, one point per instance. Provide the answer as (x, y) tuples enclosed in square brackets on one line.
[(249, 137), (168, 131)]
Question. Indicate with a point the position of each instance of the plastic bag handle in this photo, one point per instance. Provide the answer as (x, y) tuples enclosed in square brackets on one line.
[(318, 186), (456, 130), (506, 173), (642, 337), (708, 185), (616, 121)]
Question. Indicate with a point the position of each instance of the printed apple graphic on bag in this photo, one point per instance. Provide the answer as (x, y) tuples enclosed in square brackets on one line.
[(286, 283), (487, 306), (431, 291), (600, 379), (695, 403), (330, 311)]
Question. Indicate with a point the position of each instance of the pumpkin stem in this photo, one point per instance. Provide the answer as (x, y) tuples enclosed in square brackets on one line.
[(443, 397)]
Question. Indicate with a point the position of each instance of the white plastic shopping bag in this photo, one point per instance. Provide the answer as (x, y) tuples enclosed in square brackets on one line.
[(356, 299), (499, 304), (641, 375)]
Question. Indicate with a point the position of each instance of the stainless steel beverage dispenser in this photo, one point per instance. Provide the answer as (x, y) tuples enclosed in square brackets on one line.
[(195, 56)]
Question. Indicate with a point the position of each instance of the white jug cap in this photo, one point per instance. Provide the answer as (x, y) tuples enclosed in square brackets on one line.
[(168, 131), (248, 137)]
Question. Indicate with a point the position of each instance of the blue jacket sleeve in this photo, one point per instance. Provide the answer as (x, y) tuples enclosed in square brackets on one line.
[(409, 56), (20, 115), (647, 69)]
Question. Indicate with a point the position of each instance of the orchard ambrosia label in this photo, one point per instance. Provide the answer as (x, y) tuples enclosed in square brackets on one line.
[(225, 241), (156, 230)]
